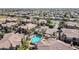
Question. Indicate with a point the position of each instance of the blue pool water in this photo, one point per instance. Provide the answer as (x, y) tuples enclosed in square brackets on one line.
[(37, 39)]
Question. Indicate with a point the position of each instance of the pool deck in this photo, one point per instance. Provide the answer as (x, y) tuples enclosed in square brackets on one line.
[(55, 45)]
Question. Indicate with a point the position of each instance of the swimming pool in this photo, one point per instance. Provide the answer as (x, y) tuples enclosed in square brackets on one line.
[(37, 39)]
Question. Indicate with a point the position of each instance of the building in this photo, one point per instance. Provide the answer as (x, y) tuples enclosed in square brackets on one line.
[(5, 44), (11, 24), (72, 25), (11, 19), (42, 21), (26, 28), (68, 35), (50, 32), (11, 41)]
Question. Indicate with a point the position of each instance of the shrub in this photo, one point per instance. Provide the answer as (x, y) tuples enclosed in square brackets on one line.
[(50, 25), (36, 18), (49, 21), (27, 17)]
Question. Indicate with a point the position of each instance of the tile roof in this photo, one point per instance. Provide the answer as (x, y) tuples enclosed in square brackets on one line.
[(71, 32), (11, 38)]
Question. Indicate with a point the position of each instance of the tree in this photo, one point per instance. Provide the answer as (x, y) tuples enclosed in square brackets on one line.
[(50, 24), (24, 45), (61, 24), (59, 32), (1, 35), (37, 18), (27, 17), (49, 21)]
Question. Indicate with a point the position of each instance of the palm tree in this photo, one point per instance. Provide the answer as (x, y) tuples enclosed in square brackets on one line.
[(1, 35), (24, 45), (59, 32)]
